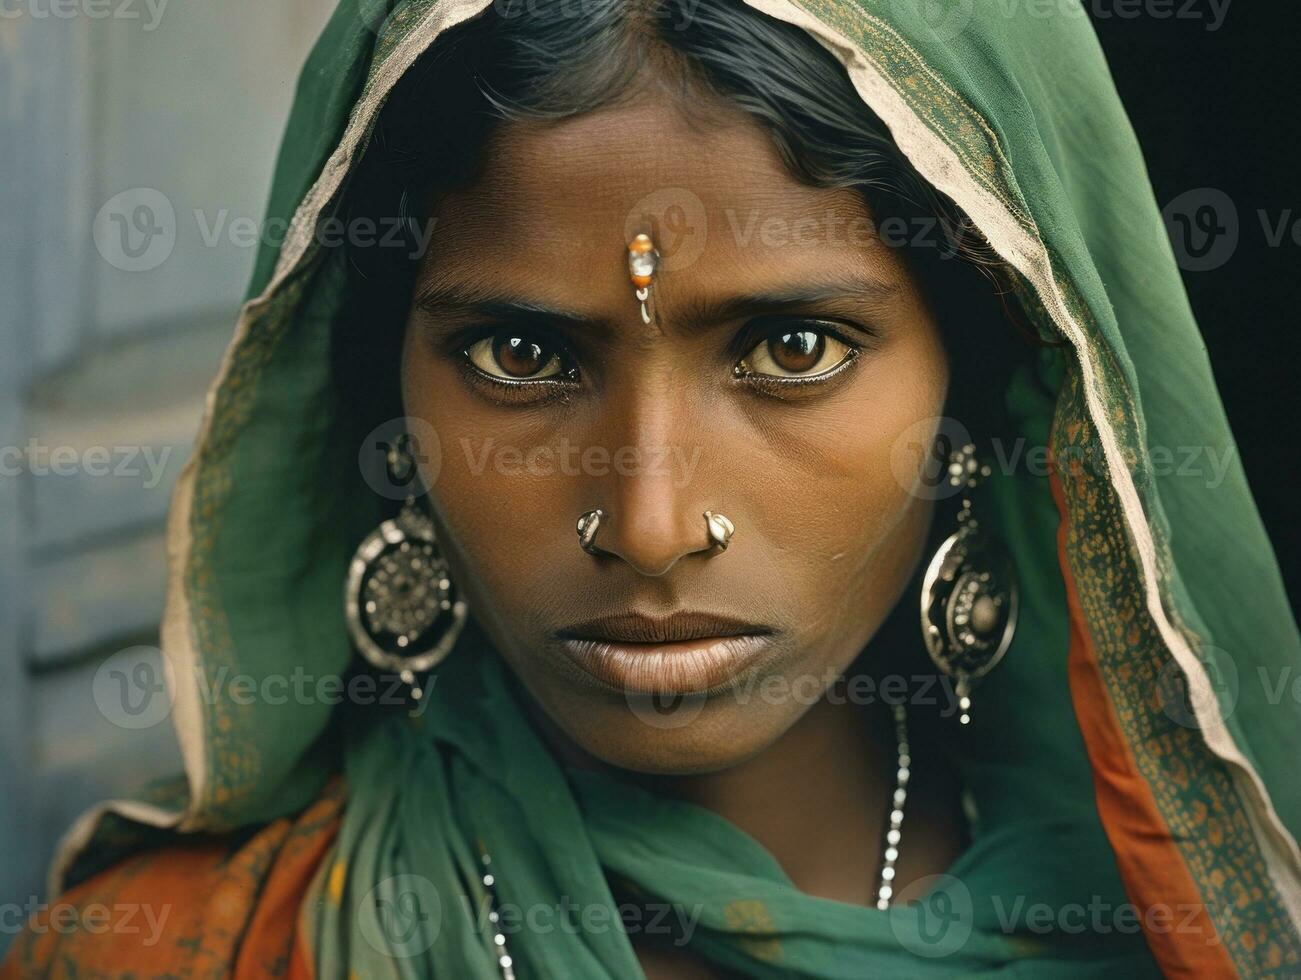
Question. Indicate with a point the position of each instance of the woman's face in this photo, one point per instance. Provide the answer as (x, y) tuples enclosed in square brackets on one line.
[(527, 354)]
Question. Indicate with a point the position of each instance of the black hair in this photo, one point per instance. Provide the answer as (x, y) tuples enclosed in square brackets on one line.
[(552, 59)]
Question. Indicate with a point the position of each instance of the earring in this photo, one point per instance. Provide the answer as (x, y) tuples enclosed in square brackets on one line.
[(403, 611), (969, 593), (643, 260)]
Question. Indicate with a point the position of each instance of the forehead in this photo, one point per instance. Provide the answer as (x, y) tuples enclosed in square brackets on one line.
[(709, 185)]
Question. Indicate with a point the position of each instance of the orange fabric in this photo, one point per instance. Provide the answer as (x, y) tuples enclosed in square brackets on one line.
[(271, 944), (191, 909), (1186, 943), (300, 961)]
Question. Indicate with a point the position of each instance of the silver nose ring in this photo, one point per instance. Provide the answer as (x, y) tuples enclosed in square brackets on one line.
[(719, 527), (588, 525)]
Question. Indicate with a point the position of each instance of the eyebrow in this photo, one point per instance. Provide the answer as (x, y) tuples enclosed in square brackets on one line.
[(868, 289), (469, 301), (449, 299)]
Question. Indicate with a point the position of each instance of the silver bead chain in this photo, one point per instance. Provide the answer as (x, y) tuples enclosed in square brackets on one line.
[(884, 890), (499, 949)]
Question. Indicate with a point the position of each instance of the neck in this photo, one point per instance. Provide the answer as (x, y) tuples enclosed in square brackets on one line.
[(818, 799)]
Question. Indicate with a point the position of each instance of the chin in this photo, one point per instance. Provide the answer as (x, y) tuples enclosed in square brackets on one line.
[(678, 736)]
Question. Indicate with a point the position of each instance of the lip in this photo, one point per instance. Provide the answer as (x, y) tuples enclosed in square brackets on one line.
[(684, 653)]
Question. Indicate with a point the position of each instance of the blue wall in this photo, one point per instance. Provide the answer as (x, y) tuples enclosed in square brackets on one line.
[(136, 152)]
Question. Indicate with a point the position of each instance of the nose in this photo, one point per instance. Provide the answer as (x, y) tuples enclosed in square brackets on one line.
[(653, 502), (647, 534)]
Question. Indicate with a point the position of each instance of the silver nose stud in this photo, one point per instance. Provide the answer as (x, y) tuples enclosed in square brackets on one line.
[(719, 527)]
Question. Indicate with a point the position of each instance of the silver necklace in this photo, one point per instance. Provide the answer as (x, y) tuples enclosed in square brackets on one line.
[(499, 950), (885, 885)]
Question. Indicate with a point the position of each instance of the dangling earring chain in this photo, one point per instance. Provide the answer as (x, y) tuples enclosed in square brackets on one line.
[(969, 592), (965, 471), (403, 611)]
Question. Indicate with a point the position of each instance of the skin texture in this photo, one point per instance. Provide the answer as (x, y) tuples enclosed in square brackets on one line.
[(827, 536)]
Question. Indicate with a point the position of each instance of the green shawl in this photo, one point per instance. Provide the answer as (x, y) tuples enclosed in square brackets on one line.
[(1090, 792)]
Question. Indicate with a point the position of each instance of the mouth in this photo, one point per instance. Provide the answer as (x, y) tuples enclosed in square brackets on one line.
[(685, 653)]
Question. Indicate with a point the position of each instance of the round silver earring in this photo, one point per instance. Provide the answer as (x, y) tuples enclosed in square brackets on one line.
[(403, 610), (969, 592)]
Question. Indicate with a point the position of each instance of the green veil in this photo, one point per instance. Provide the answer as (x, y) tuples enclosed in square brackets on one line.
[(1141, 758)]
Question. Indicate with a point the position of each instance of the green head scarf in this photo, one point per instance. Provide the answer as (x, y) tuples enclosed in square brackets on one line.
[(1089, 791)]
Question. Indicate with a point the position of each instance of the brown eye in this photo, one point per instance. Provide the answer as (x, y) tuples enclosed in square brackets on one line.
[(796, 353), (514, 357)]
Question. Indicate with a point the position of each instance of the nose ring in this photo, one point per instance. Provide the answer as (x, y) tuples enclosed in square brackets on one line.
[(720, 530), (588, 525)]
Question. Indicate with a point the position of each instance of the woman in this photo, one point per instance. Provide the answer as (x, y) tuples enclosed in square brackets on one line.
[(688, 351)]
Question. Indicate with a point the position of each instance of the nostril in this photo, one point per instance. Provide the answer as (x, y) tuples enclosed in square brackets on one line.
[(650, 544), (653, 571)]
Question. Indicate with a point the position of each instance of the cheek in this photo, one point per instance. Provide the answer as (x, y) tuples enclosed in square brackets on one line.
[(837, 528), (864, 452), (847, 501), (499, 524)]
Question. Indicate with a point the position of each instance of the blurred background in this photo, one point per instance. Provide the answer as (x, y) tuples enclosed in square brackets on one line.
[(107, 345), (137, 139)]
